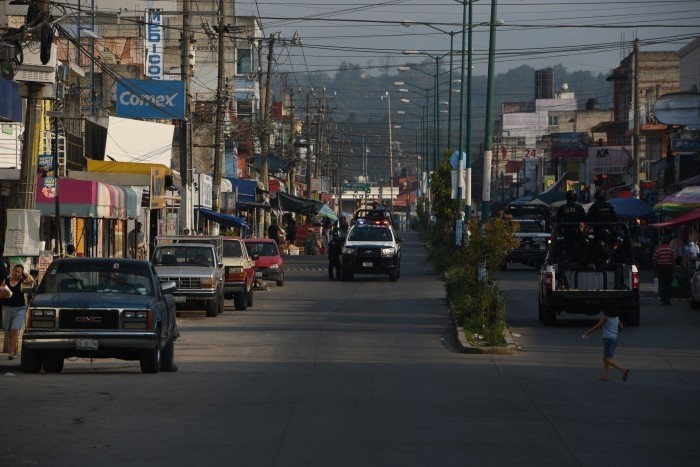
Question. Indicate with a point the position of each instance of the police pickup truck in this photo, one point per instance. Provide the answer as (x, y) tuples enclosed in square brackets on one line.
[(372, 247), (599, 270)]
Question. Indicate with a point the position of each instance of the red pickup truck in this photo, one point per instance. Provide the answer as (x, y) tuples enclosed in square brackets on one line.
[(239, 273)]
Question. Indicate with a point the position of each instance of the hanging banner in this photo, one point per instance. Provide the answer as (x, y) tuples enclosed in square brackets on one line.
[(138, 98), (22, 236)]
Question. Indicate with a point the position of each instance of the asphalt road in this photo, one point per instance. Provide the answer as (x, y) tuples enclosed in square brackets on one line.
[(367, 373)]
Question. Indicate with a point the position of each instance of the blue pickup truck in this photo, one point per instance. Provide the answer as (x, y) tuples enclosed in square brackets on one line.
[(100, 308)]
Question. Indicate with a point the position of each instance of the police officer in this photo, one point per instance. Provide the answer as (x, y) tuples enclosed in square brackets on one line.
[(599, 213), (601, 210), (335, 252), (573, 217)]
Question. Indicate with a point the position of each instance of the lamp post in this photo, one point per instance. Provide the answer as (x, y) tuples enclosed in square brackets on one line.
[(391, 158), (488, 138), (437, 59), (449, 108)]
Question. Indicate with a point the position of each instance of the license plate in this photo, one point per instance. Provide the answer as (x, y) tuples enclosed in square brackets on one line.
[(258, 274), (86, 344), (180, 299), (367, 265)]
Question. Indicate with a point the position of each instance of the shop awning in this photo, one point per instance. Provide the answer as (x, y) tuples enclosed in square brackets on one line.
[(685, 218), (224, 219), (85, 199), (308, 207), (681, 202)]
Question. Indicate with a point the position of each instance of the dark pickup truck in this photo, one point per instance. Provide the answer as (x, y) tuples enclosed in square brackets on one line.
[(100, 308), (534, 233)]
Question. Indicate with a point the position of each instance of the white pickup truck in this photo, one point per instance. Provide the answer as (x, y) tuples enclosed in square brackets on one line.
[(196, 265), (600, 270)]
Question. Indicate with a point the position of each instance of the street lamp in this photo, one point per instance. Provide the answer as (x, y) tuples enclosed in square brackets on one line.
[(391, 157), (452, 35), (436, 143), (488, 138)]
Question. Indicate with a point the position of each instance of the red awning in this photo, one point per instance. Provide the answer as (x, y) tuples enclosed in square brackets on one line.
[(689, 217)]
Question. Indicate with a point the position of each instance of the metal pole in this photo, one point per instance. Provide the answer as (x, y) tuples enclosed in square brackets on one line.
[(391, 162), (436, 136), (488, 143), (635, 101), (449, 99), (185, 126), (468, 144)]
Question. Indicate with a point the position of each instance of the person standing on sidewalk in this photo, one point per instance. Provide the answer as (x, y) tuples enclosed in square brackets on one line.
[(611, 326), (664, 261), (16, 306)]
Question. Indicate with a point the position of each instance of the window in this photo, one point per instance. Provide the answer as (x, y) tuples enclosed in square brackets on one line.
[(553, 120), (243, 63)]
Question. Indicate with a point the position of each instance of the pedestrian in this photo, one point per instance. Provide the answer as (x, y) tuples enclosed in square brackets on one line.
[(664, 259), (275, 232), (16, 305), (676, 245), (291, 230), (343, 227), (4, 271), (335, 252), (70, 251), (137, 242), (611, 326)]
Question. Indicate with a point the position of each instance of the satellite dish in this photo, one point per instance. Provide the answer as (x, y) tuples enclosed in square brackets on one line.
[(678, 108)]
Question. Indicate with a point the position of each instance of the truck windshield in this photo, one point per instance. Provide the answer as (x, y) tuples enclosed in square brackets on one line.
[(93, 276), (183, 255)]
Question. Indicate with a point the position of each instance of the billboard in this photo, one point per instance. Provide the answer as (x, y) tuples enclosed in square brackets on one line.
[(138, 98), (568, 145)]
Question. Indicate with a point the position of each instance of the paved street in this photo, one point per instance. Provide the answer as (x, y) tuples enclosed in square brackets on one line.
[(327, 373)]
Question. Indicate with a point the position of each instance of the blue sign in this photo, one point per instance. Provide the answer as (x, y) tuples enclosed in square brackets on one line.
[(454, 159), (154, 99)]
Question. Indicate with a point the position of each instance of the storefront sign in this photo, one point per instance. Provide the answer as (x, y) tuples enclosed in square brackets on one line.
[(138, 98), (568, 145), (157, 188), (608, 160), (154, 44)]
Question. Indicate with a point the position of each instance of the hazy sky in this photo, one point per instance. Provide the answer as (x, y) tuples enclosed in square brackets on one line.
[(582, 35)]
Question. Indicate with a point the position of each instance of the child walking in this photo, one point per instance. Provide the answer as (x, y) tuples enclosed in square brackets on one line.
[(611, 325)]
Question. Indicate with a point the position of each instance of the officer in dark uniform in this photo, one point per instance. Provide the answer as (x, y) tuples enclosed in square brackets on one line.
[(573, 217), (335, 252), (599, 213), (601, 210)]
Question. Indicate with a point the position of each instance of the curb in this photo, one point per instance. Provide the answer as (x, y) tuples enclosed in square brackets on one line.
[(510, 348)]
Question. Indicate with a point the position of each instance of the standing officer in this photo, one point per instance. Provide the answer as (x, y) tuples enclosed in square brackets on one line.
[(335, 251)]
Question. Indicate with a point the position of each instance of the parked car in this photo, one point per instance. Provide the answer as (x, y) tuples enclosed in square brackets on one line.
[(240, 273), (269, 264), (100, 308), (195, 264)]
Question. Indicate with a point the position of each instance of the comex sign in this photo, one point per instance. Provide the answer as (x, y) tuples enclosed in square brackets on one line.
[(151, 99)]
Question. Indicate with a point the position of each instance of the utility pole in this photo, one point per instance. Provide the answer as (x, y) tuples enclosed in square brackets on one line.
[(308, 145), (185, 125), (221, 102), (292, 141), (265, 132), (32, 136), (635, 145)]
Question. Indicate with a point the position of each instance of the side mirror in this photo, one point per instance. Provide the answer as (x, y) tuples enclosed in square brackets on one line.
[(399, 239), (28, 287), (168, 287), (254, 256)]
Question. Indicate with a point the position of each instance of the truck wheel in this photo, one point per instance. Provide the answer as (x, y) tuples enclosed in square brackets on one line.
[(212, 308), (249, 298), (31, 361), (167, 356), (549, 316), (632, 316), (280, 282), (691, 301), (347, 275), (240, 300), (540, 310), (150, 359), (392, 275), (53, 364)]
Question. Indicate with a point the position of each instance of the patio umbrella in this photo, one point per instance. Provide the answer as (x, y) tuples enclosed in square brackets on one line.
[(631, 208)]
